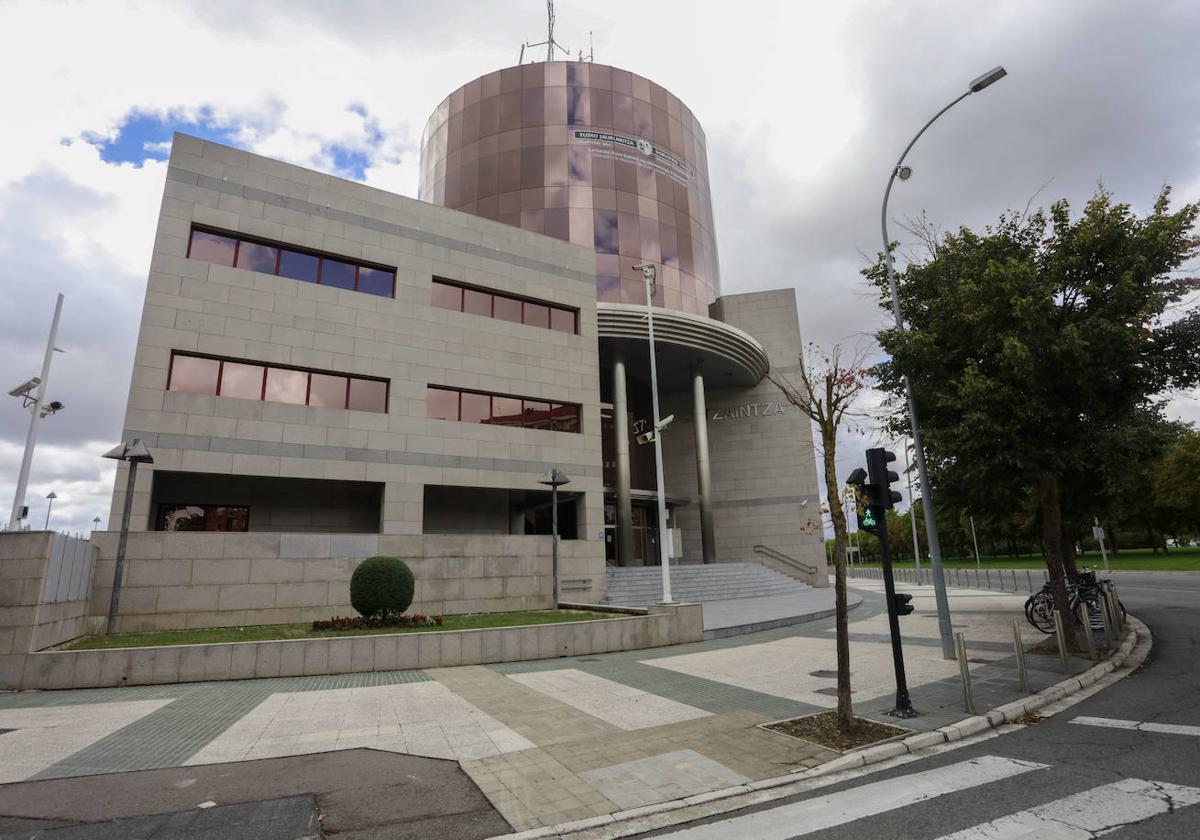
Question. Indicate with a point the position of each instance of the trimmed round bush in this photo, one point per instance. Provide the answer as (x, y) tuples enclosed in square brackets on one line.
[(381, 585)]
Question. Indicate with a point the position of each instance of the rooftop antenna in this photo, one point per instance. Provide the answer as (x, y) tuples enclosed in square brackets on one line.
[(549, 43)]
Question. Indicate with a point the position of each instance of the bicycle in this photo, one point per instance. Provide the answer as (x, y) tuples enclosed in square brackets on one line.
[(1083, 596)]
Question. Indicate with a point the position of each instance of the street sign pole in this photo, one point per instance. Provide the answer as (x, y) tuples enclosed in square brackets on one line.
[(904, 708), (1098, 533)]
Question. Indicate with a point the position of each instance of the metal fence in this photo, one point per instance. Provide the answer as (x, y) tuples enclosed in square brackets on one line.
[(68, 570), (1006, 580)]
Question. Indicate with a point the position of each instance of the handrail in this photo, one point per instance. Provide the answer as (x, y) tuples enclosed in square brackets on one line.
[(779, 555)]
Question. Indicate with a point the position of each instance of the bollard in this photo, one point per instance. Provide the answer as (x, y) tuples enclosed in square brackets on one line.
[(988, 574), (1015, 587), (1114, 604), (1019, 652), (1107, 619), (1029, 579), (964, 671), (1060, 635), (1087, 632), (978, 585)]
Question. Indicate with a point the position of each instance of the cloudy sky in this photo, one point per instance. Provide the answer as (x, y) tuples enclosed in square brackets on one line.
[(806, 107)]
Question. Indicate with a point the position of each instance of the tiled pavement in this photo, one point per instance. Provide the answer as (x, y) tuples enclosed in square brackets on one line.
[(551, 740)]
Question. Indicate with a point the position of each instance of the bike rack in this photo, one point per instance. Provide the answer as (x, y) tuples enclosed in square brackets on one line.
[(964, 671), (1019, 651)]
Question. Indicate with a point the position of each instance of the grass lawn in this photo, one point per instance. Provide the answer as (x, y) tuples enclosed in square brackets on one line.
[(1129, 560), (268, 632)]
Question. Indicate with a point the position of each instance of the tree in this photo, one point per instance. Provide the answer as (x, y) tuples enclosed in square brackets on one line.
[(826, 394), (1025, 345)]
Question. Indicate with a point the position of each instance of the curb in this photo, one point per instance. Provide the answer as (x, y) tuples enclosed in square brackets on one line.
[(620, 823)]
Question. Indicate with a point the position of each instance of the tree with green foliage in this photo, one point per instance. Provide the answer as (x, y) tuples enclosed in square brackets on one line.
[(1029, 341), (381, 586)]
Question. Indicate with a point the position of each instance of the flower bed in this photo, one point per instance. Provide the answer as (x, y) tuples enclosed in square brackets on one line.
[(357, 622)]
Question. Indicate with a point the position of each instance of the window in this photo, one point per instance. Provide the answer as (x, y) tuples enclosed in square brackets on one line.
[(249, 381), (447, 295), (499, 410), (177, 517), (194, 376), (264, 257)]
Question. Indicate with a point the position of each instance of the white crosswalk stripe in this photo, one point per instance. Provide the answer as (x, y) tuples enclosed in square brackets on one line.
[(1139, 726), (1085, 815), (800, 818)]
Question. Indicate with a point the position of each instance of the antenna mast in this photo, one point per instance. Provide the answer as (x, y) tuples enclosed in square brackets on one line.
[(550, 43)]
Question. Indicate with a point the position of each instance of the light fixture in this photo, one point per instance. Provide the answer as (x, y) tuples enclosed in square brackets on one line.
[(989, 78)]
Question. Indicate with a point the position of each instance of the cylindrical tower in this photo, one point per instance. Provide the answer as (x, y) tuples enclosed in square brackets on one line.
[(589, 154)]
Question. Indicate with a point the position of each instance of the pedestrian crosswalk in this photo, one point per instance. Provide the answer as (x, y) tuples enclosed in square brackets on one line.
[(1079, 816)]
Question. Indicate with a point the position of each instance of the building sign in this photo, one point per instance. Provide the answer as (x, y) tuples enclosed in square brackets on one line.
[(738, 412), (638, 151)]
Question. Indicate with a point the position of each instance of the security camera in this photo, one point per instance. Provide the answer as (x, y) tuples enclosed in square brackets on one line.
[(663, 423), (52, 408), (25, 387), (643, 266), (904, 173), (645, 437)]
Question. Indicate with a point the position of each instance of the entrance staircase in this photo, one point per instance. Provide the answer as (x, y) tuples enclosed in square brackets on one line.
[(637, 586)]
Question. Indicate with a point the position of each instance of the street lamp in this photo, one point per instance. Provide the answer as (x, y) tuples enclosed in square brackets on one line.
[(95, 523), (935, 549), (52, 496), (554, 479), (648, 270), (134, 452)]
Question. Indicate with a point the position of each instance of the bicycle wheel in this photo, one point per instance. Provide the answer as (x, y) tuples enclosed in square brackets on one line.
[(1039, 611), (1088, 604)]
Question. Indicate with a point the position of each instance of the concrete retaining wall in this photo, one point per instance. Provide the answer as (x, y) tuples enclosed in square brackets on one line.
[(664, 625), (176, 580), (44, 580)]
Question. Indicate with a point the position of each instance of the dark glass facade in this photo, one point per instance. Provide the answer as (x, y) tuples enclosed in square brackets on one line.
[(589, 154)]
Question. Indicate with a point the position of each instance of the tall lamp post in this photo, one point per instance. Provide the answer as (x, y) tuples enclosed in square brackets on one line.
[(935, 548), (648, 270), (135, 452), (51, 496), (554, 479)]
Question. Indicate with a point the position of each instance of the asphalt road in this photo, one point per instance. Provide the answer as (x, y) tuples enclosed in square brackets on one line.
[(1042, 779)]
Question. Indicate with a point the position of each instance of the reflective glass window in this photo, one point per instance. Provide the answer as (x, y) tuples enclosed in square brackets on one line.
[(241, 381), (506, 411), (606, 232), (536, 315), (446, 296), (536, 414), (508, 309), (212, 247), (286, 386), (441, 404), (226, 518), (327, 391), (337, 273), (375, 281), (194, 376), (562, 320), (298, 266), (368, 395), (254, 257), (475, 408), (180, 517), (564, 418), (477, 303)]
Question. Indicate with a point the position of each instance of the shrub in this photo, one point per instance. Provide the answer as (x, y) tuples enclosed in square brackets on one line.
[(381, 585)]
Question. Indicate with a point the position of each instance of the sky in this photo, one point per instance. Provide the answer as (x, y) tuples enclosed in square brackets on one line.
[(806, 107)]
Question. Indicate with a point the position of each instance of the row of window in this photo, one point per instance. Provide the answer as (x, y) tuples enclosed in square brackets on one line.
[(500, 410), (447, 295), (177, 517), (248, 381), (239, 252)]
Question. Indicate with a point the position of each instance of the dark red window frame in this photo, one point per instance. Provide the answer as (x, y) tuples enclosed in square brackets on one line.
[(222, 360), (554, 411), (553, 307), (280, 247)]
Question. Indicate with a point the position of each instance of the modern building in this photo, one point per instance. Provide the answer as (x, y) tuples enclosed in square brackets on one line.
[(326, 371)]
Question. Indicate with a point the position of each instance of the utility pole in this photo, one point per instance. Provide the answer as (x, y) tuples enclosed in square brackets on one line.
[(35, 416)]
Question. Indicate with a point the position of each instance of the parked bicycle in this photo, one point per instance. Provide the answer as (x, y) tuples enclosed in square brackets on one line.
[(1084, 597)]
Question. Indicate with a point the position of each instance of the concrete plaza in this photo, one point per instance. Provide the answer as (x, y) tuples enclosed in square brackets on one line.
[(553, 740)]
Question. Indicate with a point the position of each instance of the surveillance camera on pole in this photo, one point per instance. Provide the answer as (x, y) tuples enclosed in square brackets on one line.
[(25, 387)]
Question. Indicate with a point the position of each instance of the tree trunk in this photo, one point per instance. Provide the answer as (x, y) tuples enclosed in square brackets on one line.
[(1067, 550), (845, 711), (1112, 540), (1150, 536), (1052, 537)]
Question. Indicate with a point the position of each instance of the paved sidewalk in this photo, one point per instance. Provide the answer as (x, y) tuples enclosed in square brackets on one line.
[(552, 740)]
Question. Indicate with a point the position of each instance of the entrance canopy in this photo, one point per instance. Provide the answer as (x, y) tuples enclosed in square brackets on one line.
[(728, 356)]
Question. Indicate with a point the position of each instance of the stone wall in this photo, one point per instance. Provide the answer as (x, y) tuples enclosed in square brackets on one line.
[(179, 580)]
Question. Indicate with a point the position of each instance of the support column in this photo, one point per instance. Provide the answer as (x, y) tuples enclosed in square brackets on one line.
[(708, 538), (621, 436)]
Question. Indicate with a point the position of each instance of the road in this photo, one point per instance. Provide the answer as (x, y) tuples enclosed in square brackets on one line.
[(1078, 774)]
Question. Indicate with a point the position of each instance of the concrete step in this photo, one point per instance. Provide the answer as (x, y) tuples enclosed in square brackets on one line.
[(640, 585)]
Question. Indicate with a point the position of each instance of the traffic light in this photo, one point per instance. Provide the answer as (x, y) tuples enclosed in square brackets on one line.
[(901, 602), (881, 478), (868, 513)]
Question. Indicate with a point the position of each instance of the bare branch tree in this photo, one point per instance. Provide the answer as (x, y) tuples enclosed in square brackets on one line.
[(826, 393)]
